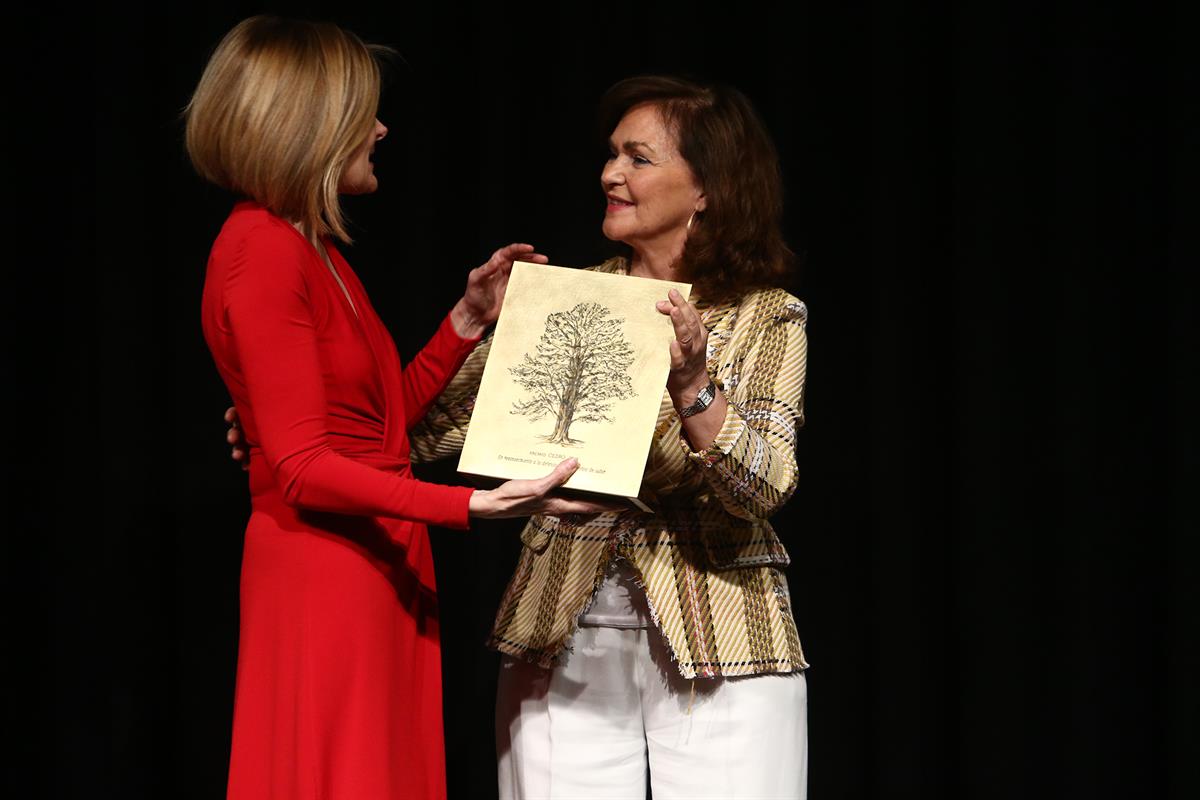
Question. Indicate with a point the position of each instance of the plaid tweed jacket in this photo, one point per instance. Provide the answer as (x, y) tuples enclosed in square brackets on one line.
[(707, 557)]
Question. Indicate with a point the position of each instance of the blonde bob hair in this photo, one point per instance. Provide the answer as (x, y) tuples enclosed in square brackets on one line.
[(279, 110)]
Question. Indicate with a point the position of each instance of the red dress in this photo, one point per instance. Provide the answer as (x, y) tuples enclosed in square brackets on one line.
[(339, 675)]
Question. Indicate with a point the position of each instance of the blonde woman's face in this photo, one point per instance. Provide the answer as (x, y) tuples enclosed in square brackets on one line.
[(359, 176)]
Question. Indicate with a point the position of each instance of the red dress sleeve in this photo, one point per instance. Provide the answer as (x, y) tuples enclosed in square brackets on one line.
[(430, 370), (267, 306)]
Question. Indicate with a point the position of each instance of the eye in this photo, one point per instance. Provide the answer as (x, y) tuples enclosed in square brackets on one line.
[(641, 161)]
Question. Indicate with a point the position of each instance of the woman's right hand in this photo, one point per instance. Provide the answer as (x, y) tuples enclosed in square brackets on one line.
[(524, 498), (486, 284), (236, 439)]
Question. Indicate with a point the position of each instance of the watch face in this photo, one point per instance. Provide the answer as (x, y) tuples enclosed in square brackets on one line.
[(704, 399)]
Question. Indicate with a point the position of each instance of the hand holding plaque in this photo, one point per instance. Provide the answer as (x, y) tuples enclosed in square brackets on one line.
[(577, 369)]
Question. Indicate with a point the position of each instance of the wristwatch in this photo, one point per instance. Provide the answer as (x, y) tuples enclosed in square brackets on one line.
[(704, 399)]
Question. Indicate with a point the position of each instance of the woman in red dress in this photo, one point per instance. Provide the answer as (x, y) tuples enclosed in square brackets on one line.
[(338, 681)]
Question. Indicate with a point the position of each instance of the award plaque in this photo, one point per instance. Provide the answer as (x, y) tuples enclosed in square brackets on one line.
[(577, 368)]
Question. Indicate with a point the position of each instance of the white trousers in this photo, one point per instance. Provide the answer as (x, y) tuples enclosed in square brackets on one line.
[(616, 706)]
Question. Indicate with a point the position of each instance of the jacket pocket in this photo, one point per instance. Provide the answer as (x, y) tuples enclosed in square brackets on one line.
[(741, 543), (538, 531)]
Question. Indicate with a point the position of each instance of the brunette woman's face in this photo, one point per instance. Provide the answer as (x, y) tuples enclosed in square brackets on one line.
[(359, 175), (650, 188)]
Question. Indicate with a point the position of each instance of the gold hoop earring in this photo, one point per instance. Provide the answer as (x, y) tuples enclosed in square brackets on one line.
[(691, 219)]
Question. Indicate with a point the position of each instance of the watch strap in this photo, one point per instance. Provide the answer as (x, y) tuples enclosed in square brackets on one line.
[(704, 399)]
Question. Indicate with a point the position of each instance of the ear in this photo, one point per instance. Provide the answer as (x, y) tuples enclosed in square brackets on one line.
[(701, 202)]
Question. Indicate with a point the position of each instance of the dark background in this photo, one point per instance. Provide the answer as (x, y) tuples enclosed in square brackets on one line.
[(995, 567)]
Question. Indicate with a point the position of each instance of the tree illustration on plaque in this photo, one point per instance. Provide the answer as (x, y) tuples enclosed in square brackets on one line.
[(579, 368)]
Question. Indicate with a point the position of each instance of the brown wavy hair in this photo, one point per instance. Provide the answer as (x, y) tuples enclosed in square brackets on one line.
[(280, 109), (735, 245)]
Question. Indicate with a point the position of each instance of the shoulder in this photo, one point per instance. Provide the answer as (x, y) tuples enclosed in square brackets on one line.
[(255, 240), (615, 265), (257, 252), (251, 226), (773, 306)]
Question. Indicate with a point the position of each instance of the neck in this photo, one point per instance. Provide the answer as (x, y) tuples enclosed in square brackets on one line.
[(307, 234), (659, 260), (316, 242)]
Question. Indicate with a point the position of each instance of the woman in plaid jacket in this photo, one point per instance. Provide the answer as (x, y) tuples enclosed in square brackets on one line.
[(609, 620)]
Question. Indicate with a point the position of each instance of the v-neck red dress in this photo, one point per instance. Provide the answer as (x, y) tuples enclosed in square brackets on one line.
[(339, 675)]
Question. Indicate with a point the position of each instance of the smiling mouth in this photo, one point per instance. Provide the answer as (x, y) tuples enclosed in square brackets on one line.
[(618, 202)]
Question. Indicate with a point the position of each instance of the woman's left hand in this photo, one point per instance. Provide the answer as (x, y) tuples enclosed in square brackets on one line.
[(689, 369), (480, 304)]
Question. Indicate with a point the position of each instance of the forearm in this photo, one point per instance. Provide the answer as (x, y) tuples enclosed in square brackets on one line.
[(701, 428), (443, 429), (747, 451), (432, 370), (466, 323), (322, 480), (752, 474)]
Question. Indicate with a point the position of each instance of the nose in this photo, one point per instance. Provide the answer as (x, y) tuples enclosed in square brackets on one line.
[(612, 174), (380, 130)]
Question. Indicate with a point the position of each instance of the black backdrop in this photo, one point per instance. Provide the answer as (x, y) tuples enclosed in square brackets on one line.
[(994, 544)]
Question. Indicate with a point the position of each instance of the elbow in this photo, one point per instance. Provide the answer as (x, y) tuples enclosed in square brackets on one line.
[(292, 490), (292, 497), (290, 478), (759, 502), (782, 490), (777, 496)]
